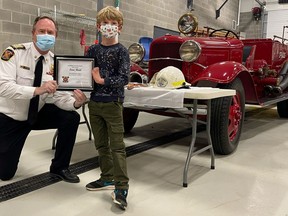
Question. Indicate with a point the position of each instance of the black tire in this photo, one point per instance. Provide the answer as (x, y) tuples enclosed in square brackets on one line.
[(282, 109), (227, 115), (130, 117)]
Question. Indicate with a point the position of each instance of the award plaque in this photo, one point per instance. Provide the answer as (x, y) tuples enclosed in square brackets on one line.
[(74, 72)]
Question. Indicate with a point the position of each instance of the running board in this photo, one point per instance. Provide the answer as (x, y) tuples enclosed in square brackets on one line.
[(269, 101)]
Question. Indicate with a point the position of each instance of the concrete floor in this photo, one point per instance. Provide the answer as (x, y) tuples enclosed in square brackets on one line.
[(250, 182)]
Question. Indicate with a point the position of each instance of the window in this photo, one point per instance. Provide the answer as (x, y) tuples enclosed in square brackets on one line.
[(159, 31), (282, 1)]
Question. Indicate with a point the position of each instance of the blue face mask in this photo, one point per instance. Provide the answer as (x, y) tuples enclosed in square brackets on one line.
[(45, 41)]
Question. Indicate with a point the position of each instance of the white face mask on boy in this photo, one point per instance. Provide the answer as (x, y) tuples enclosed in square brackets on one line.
[(109, 31)]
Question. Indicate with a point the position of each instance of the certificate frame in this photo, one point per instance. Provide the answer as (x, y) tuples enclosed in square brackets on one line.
[(74, 72)]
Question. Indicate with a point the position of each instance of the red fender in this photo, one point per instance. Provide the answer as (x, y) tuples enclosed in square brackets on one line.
[(223, 72), (138, 74), (226, 72), (136, 68)]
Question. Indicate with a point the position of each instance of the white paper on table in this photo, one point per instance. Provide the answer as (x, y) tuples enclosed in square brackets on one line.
[(154, 97)]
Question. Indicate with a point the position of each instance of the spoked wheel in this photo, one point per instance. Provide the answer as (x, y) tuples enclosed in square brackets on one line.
[(227, 115)]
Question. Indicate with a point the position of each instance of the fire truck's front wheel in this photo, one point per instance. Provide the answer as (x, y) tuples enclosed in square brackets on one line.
[(227, 115), (130, 117)]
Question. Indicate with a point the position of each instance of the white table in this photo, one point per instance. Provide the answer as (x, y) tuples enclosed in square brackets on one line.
[(149, 98)]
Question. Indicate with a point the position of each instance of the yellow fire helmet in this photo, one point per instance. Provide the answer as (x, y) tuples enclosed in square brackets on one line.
[(170, 77)]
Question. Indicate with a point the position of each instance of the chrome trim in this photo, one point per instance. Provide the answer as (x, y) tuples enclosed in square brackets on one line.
[(167, 58), (200, 65)]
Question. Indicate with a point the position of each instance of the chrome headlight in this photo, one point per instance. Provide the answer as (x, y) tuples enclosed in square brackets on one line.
[(136, 52), (190, 51), (187, 23)]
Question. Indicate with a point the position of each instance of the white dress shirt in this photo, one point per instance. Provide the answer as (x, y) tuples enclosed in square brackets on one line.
[(17, 65)]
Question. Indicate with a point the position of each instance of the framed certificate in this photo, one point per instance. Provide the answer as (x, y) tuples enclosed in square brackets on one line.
[(74, 72)]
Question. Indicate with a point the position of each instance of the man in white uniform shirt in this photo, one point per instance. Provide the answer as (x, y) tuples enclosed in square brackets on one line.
[(56, 109)]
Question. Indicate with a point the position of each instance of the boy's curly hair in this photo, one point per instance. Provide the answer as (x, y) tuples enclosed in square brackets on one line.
[(110, 13)]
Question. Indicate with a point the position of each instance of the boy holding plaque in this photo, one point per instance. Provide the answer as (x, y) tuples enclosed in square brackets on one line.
[(111, 74)]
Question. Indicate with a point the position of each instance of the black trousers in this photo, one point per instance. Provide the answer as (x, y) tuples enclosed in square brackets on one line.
[(14, 133)]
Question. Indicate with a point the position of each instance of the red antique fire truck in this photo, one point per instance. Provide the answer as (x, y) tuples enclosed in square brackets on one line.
[(255, 68)]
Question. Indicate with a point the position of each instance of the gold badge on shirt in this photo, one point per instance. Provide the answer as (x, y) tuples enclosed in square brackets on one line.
[(51, 72)]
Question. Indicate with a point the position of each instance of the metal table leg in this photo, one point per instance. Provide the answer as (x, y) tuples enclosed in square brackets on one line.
[(208, 127), (191, 151), (86, 121), (82, 122), (192, 143)]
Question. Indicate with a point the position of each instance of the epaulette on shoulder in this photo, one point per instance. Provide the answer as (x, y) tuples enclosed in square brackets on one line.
[(18, 46)]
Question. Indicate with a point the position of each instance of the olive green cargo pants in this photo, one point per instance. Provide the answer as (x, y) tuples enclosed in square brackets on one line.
[(106, 121)]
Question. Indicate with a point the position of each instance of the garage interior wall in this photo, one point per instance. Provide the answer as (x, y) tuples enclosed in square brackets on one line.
[(140, 17), (281, 18), (274, 15)]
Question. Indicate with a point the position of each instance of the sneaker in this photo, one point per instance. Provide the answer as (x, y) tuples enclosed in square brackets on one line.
[(119, 197), (100, 185)]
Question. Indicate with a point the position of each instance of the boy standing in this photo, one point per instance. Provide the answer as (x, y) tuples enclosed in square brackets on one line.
[(111, 74)]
